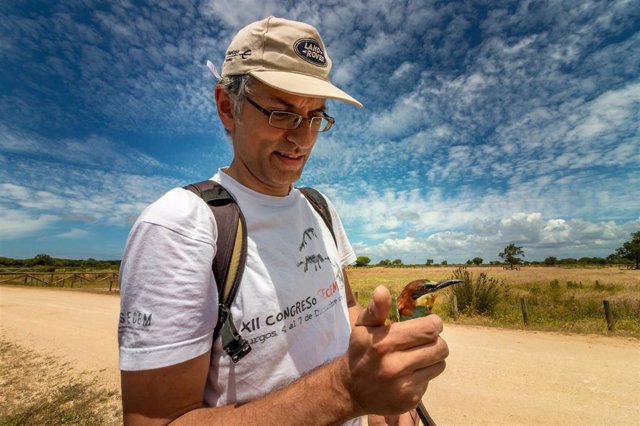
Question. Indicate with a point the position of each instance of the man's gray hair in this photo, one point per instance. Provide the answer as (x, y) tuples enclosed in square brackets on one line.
[(237, 88)]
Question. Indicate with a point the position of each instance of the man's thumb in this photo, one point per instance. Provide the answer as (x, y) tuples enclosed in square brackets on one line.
[(378, 310)]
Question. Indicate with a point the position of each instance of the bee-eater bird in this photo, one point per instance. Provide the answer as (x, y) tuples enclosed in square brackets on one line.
[(417, 298)]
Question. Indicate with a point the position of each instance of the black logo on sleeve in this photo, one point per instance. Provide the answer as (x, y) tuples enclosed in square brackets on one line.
[(135, 320)]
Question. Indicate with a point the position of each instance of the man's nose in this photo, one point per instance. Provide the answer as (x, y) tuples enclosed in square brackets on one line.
[(303, 136)]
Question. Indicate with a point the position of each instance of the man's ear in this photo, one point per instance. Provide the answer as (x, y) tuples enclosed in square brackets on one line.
[(225, 108)]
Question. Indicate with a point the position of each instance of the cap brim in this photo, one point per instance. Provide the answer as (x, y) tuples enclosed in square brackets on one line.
[(303, 85)]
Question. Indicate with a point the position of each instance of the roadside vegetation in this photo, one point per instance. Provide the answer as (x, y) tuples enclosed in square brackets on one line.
[(37, 389), (46, 263), (563, 299), (559, 294), (45, 271)]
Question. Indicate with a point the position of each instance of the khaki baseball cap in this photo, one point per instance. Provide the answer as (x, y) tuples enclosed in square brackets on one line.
[(287, 55)]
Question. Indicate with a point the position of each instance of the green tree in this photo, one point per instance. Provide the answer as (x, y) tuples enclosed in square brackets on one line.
[(444, 263), (613, 258), (510, 255), (42, 259), (631, 249), (7, 261), (396, 262), (551, 260), (362, 261), (384, 262), (477, 261), (429, 262)]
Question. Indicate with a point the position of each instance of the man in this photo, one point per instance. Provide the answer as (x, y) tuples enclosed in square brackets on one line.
[(317, 357)]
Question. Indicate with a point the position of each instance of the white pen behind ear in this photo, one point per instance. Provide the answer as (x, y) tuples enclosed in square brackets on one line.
[(213, 70)]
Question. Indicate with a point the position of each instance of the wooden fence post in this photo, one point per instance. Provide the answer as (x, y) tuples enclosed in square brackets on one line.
[(525, 314), (455, 307), (608, 315)]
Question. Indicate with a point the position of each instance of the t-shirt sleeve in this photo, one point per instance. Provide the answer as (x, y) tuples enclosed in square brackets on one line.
[(168, 299), (345, 251)]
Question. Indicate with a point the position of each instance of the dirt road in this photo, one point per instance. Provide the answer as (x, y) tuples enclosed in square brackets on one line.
[(79, 328), (493, 377)]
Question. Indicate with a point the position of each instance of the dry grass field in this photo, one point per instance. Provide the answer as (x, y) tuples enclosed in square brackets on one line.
[(566, 299), (39, 389), (59, 366)]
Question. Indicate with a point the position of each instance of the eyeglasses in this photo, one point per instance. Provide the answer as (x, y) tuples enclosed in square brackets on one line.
[(291, 121)]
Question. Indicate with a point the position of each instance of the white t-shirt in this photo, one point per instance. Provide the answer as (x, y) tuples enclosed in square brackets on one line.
[(290, 306)]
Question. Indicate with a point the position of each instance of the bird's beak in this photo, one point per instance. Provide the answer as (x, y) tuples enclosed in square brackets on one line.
[(430, 287), (446, 283)]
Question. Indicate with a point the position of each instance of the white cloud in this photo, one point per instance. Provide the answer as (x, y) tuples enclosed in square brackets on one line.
[(93, 151), (20, 224), (610, 111), (523, 118), (406, 114), (238, 13), (403, 70), (14, 191), (108, 198), (539, 238), (74, 233)]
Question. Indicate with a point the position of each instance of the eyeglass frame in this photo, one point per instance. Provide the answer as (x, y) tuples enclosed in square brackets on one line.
[(269, 113)]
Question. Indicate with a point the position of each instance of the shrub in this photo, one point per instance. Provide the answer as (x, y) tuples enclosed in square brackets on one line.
[(477, 296), (572, 284), (604, 287)]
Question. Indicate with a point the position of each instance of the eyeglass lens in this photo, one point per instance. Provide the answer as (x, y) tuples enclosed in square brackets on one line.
[(288, 120)]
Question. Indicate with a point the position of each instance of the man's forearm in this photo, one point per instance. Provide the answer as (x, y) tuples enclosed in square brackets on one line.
[(385, 371), (320, 397)]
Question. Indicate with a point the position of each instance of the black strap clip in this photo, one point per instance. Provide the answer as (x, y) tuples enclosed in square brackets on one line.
[(232, 342)]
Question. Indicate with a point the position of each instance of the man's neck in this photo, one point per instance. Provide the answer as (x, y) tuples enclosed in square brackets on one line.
[(262, 189)]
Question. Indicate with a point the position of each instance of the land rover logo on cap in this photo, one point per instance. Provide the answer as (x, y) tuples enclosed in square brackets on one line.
[(310, 50)]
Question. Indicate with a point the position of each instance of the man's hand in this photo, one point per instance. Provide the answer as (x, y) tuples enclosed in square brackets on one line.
[(385, 371), (389, 367)]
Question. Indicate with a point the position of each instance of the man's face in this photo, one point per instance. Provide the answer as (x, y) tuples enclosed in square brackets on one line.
[(267, 159)]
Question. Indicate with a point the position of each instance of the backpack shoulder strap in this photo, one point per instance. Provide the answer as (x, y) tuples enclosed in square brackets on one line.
[(229, 261), (319, 203)]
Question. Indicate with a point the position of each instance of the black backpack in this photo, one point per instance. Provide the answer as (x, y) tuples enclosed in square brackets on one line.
[(229, 261)]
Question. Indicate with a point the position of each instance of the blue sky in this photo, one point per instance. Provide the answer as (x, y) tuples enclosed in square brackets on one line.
[(485, 123)]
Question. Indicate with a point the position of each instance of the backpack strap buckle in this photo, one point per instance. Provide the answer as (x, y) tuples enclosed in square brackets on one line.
[(232, 342)]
